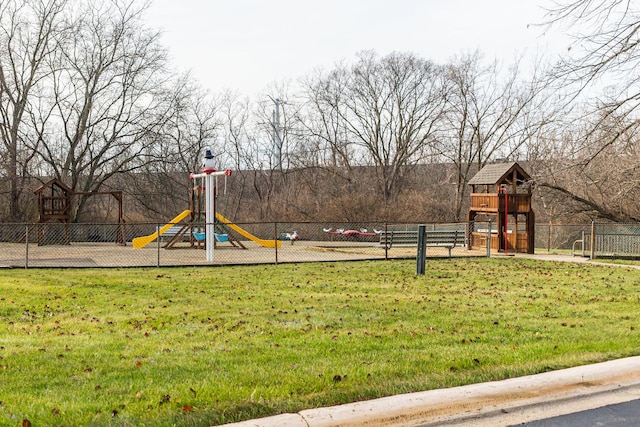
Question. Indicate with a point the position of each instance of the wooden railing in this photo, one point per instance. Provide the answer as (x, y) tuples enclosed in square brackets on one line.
[(485, 202), (488, 202)]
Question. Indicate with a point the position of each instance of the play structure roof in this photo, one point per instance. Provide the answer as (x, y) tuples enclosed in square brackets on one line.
[(55, 181), (497, 173)]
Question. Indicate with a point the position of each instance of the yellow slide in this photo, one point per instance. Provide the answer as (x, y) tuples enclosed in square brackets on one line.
[(245, 233), (142, 241)]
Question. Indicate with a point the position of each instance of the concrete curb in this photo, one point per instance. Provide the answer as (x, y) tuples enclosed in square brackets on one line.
[(480, 404)]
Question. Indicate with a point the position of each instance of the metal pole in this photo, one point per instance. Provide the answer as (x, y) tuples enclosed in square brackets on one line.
[(277, 138), (209, 216), (593, 240), (26, 240), (158, 246), (275, 233), (422, 248), (386, 241)]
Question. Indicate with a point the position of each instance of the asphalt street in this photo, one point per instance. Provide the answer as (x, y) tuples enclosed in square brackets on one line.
[(619, 415)]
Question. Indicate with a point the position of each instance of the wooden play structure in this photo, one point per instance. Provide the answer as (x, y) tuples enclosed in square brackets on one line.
[(55, 199), (501, 196)]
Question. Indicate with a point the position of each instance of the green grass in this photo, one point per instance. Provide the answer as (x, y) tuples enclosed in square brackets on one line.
[(203, 346)]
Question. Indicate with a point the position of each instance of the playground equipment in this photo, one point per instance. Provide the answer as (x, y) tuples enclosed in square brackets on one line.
[(204, 231), (292, 237), (262, 242), (363, 232), (142, 241), (208, 176), (197, 224), (501, 193), (55, 201)]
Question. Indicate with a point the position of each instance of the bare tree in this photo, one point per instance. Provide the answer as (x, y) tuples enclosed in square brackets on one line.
[(323, 119), (598, 75), (27, 37), (491, 114), (189, 125), (107, 83), (380, 112)]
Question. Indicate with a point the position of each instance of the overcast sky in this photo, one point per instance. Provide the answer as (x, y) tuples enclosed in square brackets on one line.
[(245, 45)]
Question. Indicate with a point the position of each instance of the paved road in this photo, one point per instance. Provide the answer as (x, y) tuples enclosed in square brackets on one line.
[(619, 415)]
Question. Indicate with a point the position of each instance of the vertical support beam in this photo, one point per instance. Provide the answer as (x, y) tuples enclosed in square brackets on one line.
[(489, 239), (210, 207), (209, 216), (531, 231), (500, 222)]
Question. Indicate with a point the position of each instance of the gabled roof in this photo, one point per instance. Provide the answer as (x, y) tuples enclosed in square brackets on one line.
[(497, 173), (54, 181)]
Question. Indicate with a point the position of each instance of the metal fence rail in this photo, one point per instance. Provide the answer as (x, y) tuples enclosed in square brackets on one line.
[(616, 240)]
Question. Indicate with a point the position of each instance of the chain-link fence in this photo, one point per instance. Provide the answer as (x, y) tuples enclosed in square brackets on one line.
[(151, 244), (140, 245), (565, 238), (591, 240)]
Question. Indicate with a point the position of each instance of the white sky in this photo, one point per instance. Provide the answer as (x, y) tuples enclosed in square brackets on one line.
[(246, 45)]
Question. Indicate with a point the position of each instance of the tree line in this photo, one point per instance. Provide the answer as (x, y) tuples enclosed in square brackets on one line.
[(89, 96)]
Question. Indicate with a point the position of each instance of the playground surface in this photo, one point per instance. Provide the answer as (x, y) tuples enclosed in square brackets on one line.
[(20, 255)]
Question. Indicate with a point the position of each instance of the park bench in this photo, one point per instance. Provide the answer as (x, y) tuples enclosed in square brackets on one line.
[(434, 238)]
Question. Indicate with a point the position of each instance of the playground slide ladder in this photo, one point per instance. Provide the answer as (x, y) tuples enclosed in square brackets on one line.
[(142, 241)]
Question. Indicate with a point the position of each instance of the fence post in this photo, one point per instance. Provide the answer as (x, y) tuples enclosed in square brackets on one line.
[(275, 239), (386, 241), (422, 248), (26, 246), (592, 242), (158, 245)]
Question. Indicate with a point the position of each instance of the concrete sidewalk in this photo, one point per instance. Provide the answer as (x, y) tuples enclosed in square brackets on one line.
[(495, 404)]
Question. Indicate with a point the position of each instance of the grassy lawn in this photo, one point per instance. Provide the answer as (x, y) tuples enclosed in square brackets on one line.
[(203, 346)]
